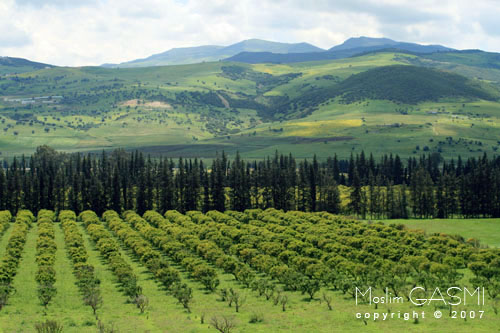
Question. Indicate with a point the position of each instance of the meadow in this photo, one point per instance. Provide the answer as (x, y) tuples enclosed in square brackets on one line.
[(239, 252), (484, 230)]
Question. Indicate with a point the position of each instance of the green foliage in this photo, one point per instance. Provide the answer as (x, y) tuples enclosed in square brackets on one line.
[(317, 253), (256, 318), (183, 293), (407, 84), (109, 249), (87, 282), (12, 256), (182, 253), (45, 258), (142, 302), (5, 218), (310, 287), (49, 326)]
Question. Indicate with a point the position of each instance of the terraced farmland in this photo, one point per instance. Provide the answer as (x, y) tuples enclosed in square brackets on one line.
[(252, 271)]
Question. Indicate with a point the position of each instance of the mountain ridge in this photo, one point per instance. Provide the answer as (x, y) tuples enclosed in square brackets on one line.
[(205, 53), (258, 50), (351, 47), (14, 65)]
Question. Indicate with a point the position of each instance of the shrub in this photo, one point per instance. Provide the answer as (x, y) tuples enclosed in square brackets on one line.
[(49, 326)]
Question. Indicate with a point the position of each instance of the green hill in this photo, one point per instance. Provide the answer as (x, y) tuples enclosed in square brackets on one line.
[(387, 102), (469, 57), (409, 84), (361, 42), (9, 65)]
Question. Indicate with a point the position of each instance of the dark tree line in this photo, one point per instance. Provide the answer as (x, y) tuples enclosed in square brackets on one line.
[(420, 187)]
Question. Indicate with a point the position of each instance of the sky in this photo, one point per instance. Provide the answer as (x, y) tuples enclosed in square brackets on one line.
[(93, 32)]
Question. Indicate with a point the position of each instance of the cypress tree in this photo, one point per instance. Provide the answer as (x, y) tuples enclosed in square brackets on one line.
[(350, 173), (356, 196), (166, 188), (74, 195), (3, 190), (116, 193), (217, 184), (205, 182), (140, 203), (313, 182)]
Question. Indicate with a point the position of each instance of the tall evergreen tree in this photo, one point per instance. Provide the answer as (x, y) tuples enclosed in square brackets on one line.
[(356, 196)]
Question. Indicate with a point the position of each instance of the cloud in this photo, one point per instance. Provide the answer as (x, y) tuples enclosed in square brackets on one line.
[(56, 3), (402, 12), (91, 32), (490, 22), (11, 36)]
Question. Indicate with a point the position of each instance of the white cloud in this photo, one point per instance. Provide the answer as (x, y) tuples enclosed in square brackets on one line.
[(11, 36), (91, 32)]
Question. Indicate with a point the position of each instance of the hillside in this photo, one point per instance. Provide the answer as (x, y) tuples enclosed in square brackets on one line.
[(408, 84), (375, 102), (383, 43), (9, 65), (191, 55)]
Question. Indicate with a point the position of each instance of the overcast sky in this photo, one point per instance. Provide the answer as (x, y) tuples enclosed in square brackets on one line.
[(92, 32)]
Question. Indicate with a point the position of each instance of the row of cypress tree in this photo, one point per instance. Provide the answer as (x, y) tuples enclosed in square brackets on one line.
[(426, 186)]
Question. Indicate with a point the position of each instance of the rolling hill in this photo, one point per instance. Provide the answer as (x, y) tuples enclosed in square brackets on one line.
[(190, 55), (9, 65), (410, 85), (381, 102)]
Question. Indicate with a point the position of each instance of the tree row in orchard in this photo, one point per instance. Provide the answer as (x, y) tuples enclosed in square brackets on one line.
[(384, 188), (46, 257), (13, 253)]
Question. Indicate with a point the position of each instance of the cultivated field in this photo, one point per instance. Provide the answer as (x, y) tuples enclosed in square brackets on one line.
[(263, 271)]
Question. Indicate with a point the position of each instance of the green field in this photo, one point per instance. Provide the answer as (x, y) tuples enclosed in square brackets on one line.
[(196, 110), (165, 314), (484, 230)]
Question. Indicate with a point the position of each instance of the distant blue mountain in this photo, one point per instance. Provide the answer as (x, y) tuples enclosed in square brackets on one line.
[(189, 55), (349, 48), (383, 43)]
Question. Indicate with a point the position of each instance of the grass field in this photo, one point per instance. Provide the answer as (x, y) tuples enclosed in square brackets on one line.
[(485, 230), (166, 315)]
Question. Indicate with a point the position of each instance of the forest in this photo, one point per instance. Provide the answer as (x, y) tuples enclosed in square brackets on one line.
[(390, 187)]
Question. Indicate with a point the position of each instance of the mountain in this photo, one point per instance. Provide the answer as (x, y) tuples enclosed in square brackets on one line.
[(362, 41), (190, 55), (351, 47), (176, 56), (385, 43), (10, 65), (261, 51), (258, 45)]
